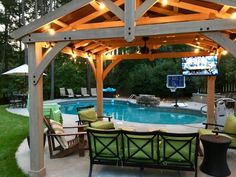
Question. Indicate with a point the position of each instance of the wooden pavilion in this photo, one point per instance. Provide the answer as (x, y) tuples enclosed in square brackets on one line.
[(92, 29)]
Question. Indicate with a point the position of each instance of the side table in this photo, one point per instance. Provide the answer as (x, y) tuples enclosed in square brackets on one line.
[(215, 151)]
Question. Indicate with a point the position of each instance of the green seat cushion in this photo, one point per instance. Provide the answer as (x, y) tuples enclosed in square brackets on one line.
[(102, 125), (204, 131), (186, 150), (230, 124), (88, 115), (233, 143)]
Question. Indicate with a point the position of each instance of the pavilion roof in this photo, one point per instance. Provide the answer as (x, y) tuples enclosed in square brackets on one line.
[(170, 21)]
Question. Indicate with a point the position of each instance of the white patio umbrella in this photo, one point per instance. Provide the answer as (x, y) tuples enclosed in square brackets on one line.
[(21, 70), (18, 71)]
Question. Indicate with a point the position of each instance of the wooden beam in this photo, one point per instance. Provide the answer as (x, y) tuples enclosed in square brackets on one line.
[(163, 11), (82, 43), (186, 27), (211, 99), (224, 9), (37, 168), (68, 50), (145, 20), (99, 82), (129, 20), (89, 17), (92, 46), (223, 41), (98, 49), (142, 30), (97, 7), (174, 18), (47, 59), (110, 67), (155, 56), (145, 6), (60, 23), (48, 18), (197, 8), (116, 10), (224, 2), (106, 24)]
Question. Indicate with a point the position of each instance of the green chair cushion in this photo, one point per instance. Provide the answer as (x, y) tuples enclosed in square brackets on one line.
[(204, 131), (233, 143), (102, 125), (88, 115), (133, 143), (106, 146), (230, 124), (169, 155)]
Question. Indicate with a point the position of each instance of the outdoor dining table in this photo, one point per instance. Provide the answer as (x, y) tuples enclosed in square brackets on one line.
[(22, 97)]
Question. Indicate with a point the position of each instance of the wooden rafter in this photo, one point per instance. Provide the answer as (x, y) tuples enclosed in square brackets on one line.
[(142, 30), (89, 17), (197, 8)]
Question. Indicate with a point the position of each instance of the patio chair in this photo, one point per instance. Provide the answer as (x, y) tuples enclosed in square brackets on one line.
[(228, 130), (93, 92), (63, 92), (60, 147), (88, 116), (71, 93), (84, 92)]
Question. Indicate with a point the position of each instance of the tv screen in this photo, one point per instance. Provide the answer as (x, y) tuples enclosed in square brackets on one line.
[(203, 65)]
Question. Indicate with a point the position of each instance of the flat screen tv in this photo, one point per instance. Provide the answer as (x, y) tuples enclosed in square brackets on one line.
[(200, 66)]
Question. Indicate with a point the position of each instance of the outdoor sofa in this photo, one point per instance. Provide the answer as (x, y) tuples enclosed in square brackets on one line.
[(155, 149)]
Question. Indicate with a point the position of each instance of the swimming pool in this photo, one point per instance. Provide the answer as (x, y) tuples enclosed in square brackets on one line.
[(125, 111)]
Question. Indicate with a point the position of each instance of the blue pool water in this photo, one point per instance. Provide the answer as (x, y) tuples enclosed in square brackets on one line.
[(122, 110)]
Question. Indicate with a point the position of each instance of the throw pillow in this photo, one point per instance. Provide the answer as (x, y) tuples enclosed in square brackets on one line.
[(230, 124), (89, 115), (58, 129)]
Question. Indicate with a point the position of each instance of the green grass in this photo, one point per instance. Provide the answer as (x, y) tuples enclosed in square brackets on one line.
[(13, 129)]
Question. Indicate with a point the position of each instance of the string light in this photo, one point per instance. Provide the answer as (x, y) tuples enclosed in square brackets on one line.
[(196, 50), (51, 31), (73, 54), (233, 16), (224, 52), (101, 5), (164, 2)]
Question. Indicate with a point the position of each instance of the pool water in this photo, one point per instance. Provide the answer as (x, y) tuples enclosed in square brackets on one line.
[(125, 111)]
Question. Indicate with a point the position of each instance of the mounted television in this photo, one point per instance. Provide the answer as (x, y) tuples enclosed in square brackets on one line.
[(200, 66)]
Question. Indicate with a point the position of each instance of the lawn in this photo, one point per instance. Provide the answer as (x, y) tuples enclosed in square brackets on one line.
[(13, 129)]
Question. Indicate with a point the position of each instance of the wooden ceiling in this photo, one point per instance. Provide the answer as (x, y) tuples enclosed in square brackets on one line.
[(91, 16)]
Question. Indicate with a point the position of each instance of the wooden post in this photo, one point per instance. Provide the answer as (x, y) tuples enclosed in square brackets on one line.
[(99, 82), (37, 168), (211, 99)]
